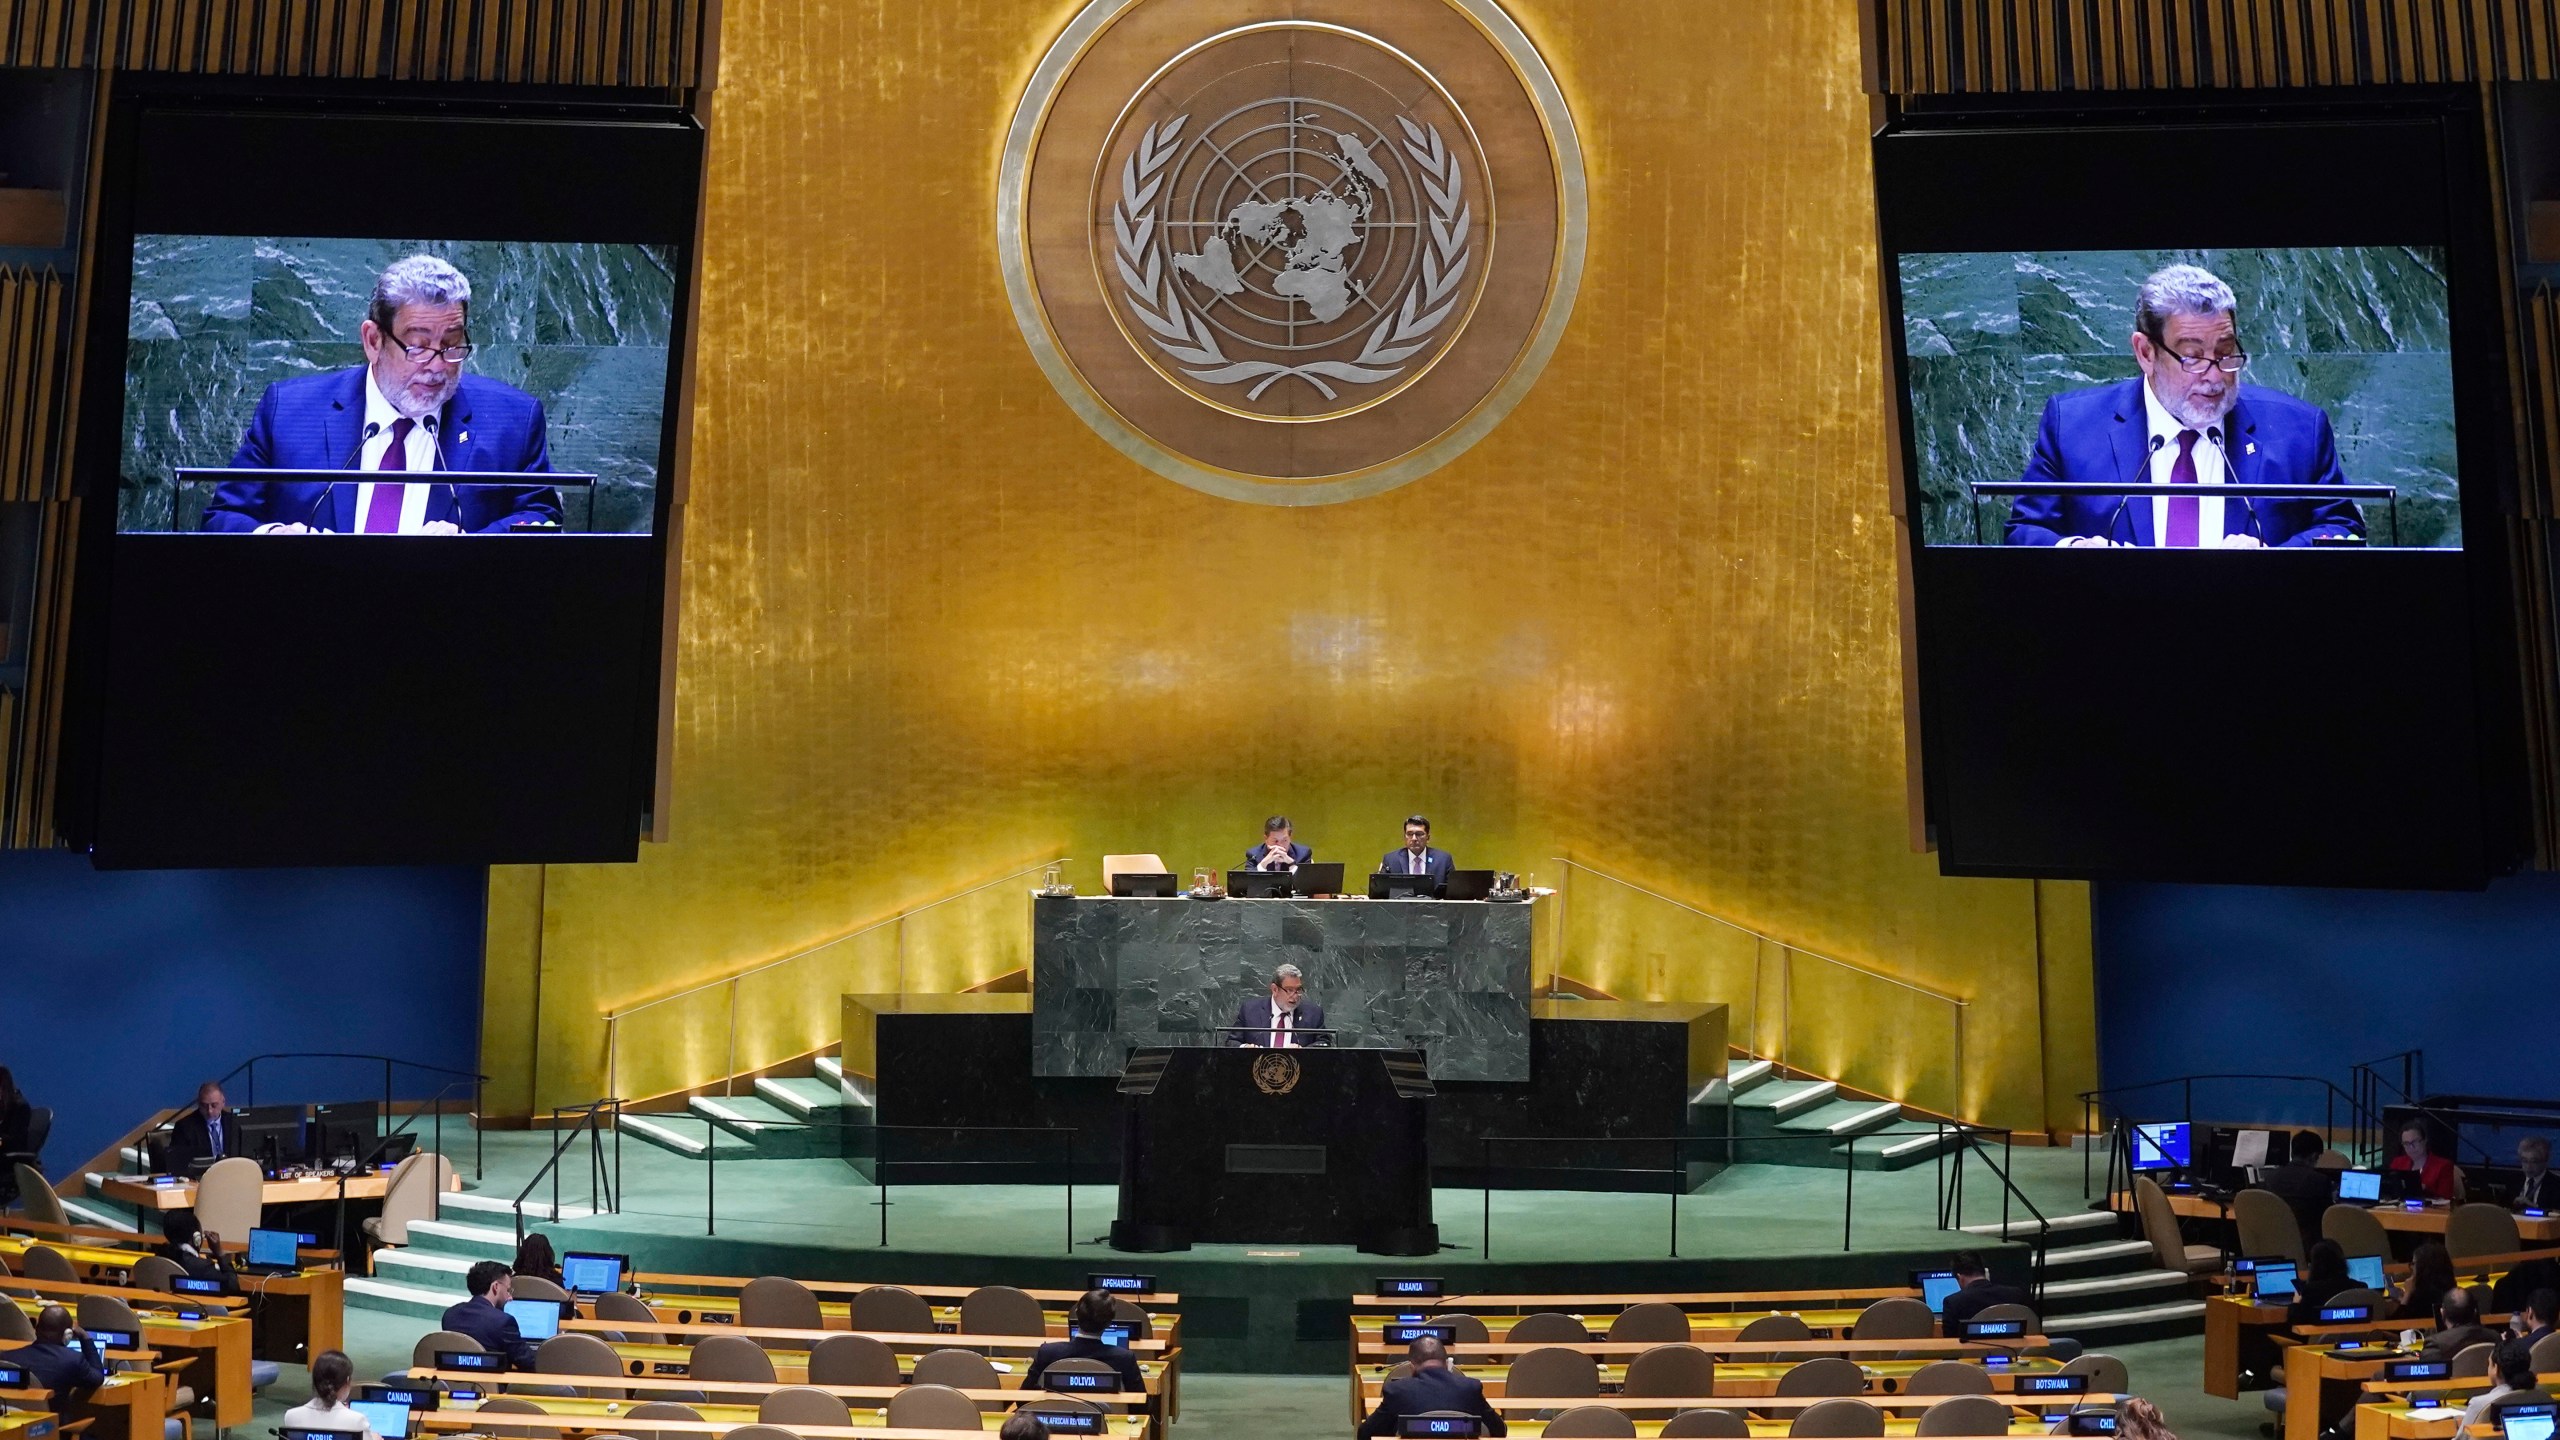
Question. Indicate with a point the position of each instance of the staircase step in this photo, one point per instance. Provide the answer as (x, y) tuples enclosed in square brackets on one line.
[(1899, 1146), (502, 1208), (2165, 1321), (2076, 1222), (687, 1135), (472, 1242), (1787, 1098), (2111, 1292), (772, 1132), (91, 1212), (429, 1269), (803, 1099), (831, 1069), (1843, 1117), (2103, 1257), (391, 1297)]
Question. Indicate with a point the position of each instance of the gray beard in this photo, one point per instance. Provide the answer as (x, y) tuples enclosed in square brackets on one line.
[(2189, 413)]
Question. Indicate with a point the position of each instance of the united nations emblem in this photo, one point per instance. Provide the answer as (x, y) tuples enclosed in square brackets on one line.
[(1276, 1073), (1293, 259)]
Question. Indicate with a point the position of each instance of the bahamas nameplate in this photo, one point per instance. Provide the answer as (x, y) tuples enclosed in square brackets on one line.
[(1292, 251)]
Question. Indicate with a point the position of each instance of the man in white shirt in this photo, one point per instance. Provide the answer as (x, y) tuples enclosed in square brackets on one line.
[(1417, 857), (1283, 1020)]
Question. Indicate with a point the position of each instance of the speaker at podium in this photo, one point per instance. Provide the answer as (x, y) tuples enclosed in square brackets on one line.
[(1314, 1146)]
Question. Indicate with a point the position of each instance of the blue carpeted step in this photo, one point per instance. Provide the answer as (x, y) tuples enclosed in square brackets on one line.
[(770, 1131)]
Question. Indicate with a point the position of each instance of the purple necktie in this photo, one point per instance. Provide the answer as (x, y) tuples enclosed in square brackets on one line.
[(382, 517), (2185, 511)]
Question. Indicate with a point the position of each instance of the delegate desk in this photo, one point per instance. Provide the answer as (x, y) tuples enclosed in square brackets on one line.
[(1448, 977), (2028, 1416), (220, 1344), (612, 1410), (570, 1417), (1744, 1369), (664, 1294), (132, 1405), (2428, 1220), (298, 1314)]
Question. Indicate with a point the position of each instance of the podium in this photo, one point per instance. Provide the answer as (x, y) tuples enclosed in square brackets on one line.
[(1327, 1145)]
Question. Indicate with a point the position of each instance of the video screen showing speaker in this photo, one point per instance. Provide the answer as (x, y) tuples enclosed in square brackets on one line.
[(278, 385), (2301, 397), (380, 411), (2202, 414)]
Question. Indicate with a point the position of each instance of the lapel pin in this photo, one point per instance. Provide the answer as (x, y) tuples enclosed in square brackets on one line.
[(465, 438), (2249, 449)]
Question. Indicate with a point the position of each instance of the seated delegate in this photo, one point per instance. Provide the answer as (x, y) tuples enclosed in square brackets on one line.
[(1094, 1313)]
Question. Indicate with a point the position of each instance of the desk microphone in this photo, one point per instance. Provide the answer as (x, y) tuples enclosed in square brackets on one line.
[(2127, 497), (2232, 472), (371, 429), (435, 434)]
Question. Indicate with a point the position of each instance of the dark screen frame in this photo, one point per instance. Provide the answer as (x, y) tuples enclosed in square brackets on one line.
[(583, 655), (1999, 682)]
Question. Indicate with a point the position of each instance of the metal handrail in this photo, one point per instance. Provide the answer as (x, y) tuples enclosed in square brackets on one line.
[(479, 1148), (613, 1018), (590, 1122), (2093, 1101), (1787, 950)]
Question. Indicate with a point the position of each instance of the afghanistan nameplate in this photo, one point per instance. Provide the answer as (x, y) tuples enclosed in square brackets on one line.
[(1292, 251)]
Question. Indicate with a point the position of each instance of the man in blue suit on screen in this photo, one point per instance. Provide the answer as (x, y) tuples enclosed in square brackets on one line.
[(408, 408), (2184, 422)]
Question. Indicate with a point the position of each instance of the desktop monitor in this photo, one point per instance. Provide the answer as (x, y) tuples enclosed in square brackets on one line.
[(389, 1421), (1934, 1287), (2166, 1146), (2359, 1187), (2272, 1283), (2527, 1422), (275, 1247), (2366, 1270), (585, 1273), (537, 1320)]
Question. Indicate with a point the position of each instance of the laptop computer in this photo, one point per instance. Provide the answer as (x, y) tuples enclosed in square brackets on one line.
[(389, 1421), (2366, 1270), (1143, 884), (1934, 1287), (2272, 1282), (584, 1272), (1387, 885), (2531, 1421), (2359, 1187), (536, 1320), (273, 1252), (1467, 885)]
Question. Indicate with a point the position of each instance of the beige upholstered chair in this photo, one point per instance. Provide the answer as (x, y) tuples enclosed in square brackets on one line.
[(578, 1353), (534, 1287), (1547, 1327), (760, 1432), (1965, 1415), (1897, 1318), (1776, 1327), (2332, 1160), (15, 1327), (2546, 1353), (43, 1262), (36, 1197), (2355, 1230), (625, 1309), (422, 1356), (1841, 1419), (1001, 1310), (802, 1405), (1823, 1375), (514, 1405), (1468, 1329), (2375, 1300), (733, 1358), (231, 1198), (853, 1360), (778, 1302), (891, 1310), (1654, 1322), (153, 1272), (2012, 1311), (932, 1407), (1552, 1372), (2160, 1227), (1948, 1377), (2267, 1225), (959, 1369), (2107, 1375), (1672, 1371), (2481, 1229), (2471, 1362), (1592, 1422), (410, 1197), (660, 1410), (1131, 865), (1706, 1425)]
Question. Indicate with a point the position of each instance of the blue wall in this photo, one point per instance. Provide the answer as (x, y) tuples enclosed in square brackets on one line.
[(124, 989), (2194, 979)]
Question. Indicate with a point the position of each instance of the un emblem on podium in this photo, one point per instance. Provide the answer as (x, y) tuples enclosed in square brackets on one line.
[(1292, 251), (1276, 1073)]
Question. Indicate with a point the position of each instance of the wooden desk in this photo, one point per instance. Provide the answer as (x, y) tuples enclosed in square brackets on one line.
[(1702, 1327), (219, 1344), (791, 1367), (28, 1424), (2398, 1219), (299, 1315), (2239, 1336), (1687, 1300), (2398, 1422), (1884, 1378), (640, 1390), (684, 1309), (583, 1417), (1621, 1351), (142, 1193), (2323, 1383)]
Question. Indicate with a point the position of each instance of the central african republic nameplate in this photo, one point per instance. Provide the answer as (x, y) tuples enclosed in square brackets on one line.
[(1292, 251)]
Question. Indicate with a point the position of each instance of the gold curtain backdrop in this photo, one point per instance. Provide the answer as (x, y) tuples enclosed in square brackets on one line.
[(935, 630)]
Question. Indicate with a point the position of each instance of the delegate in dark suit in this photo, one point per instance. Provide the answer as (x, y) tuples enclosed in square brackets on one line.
[(2306, 1191), (1086, 1347), (1430, 1387), (316, 422), (1977, 1297), (61, 1370), (194, 1138), (2102, 437), (1435, 863), (1298, 855), (1253, 1023), (494, 1328)]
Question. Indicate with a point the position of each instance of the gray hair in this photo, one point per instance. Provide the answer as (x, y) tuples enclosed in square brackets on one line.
[(2533, 1144), (2180, 290), (1287, 972), (416, 280)]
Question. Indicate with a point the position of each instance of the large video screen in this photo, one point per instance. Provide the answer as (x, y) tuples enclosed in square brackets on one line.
[(2120, 376), (254, 362)]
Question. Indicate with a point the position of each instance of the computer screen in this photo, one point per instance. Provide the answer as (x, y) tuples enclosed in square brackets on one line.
[(275, 1247), (2274, 1280), (1935, 1287), (536, 1320), (2366, 1270), (589, 1274), (2161, 1147), (1115, 1335), (2526, 1422), (2363, 1185), (389, 1421)]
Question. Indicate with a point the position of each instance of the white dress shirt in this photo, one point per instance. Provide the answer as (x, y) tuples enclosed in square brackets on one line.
[(320, 1415), (418, 449), (2209, 471), (1416, 863)]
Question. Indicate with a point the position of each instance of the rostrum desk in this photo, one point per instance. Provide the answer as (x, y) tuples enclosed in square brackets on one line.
[(1325, 1145)]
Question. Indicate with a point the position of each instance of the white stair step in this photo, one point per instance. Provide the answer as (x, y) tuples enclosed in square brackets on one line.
[(1805, 1099), (2060, 1224), (84, 1212), (505, 1205), (1872, 1115), (832, 1067), (686, 1139), (2097, 1322), (365, 1292), (438, 1264), (2116, 1284), (2105, 1252), (489, 1242)]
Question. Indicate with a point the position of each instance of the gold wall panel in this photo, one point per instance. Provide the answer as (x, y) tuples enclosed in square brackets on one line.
[(934, 629), (651, 43)]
